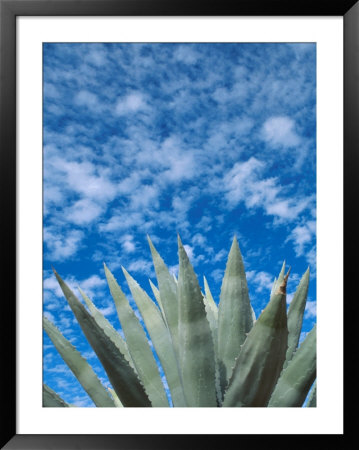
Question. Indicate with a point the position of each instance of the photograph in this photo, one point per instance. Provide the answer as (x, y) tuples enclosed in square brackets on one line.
[(178, 200), (179, 224)]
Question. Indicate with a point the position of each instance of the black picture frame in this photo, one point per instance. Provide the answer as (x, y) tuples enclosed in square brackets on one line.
[(9, 10)]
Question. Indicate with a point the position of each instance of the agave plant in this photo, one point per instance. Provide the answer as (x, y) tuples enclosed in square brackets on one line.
[(212, 356)]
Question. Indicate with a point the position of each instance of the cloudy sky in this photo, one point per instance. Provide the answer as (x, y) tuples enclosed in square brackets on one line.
[(207, 140)]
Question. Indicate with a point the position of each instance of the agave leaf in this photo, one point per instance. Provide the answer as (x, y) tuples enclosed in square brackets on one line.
[(296, 380), (79, 366), (278, 281), (209, 297), (160, 338), (235, 318), (168, 293), (312, 400), (51, 399), (116, 400), (262, 355), (121, 375), (253, 315), (212, 316), (273, 286), (156, 293), (138, 345), (196, 350), (295, 316), (212, 312), (108, 329), (281, 274)]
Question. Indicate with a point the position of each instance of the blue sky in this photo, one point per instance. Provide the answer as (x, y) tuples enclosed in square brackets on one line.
[(207, 140)]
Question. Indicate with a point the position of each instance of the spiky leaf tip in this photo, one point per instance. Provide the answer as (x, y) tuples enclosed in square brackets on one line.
[(79, 366), (50, 399), (262, 355), (137, 344), (235, 317), (296, 380), (160, 337), (168, 293), (122, 377), (196, 350), (295, 316)]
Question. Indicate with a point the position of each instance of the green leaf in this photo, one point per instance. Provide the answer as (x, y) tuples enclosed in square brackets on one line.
[(212, 313), (210, 300), (212, 316), (312, 400), (51, 399), (296, 380), (168, 293), (278, 281), (108, 329), (273, 286), (235, 317), (156, 293), (78, 365), (196, 349), (138, 345), (122, 377), (160, 338), (116, 400), (253, 315), (295, 316), (261, 357)]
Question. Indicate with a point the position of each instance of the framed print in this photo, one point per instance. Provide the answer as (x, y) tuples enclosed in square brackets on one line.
[(173, 188)]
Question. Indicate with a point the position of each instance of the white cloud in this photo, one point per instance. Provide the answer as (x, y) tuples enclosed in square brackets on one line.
[(280, 132), (174, 269), (302, 235), (65, 323), (199, 239), (140, 265), (262, 280), (81, 402), (49, 316), (96, 56), (237, 93), (83, 212), (89, 355), (181, 167), (217, 275), (52, 194), (246, 183), (94, 281), (59, 368), (92, 286), (124, 221), (131, 103), (146, 196), (87, 99), (311, 257), (310, 309), (175, 160), (127, 243), (52, 286), (219, 256), (108, 310), (62, 245), (82, 178), (50, 91), (190, 252), (186, 55)]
